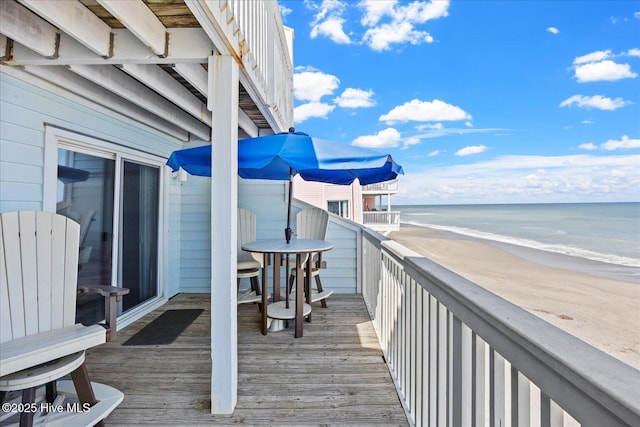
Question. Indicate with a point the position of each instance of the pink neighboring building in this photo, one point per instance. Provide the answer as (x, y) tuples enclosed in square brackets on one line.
[(369, 205)]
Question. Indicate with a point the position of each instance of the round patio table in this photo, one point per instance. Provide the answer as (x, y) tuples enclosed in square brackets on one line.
[(279, 309)]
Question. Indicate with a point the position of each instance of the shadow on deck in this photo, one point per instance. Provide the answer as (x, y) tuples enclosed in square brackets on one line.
[(334, 375)]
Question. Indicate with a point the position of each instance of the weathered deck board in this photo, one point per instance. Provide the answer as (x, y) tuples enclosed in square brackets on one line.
[(334, 375)]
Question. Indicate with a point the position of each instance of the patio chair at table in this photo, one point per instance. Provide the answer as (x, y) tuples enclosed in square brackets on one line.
[(249, 265), (312, 223), (39, 339)]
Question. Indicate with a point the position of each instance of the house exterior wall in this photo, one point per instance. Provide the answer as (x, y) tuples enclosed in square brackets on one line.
[(267, 199), (318, 194), (26, 105)]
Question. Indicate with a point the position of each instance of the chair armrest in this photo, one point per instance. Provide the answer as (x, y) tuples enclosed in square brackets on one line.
[(105, 291), (112, 295)]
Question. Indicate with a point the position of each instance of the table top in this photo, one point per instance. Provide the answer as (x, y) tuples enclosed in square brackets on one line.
[(280, 246)]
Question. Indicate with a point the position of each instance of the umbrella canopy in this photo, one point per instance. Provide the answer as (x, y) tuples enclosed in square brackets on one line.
[(286, 154), (279, 156)]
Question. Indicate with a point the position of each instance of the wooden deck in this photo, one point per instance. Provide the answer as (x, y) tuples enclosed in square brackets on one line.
[(334, 375)]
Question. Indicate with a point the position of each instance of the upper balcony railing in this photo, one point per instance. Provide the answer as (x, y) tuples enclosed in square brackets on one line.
[(255, 34), (462, 356), (388, 187), (381, 220)]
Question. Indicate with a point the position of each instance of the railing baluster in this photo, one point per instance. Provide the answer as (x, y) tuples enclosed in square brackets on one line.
[(520, 399), (456, 405), (410, 350), (466, 373), (433, 361), (420, 383), (497, 389), (556, 415), (481, 388), (545, 410), (442, 378)]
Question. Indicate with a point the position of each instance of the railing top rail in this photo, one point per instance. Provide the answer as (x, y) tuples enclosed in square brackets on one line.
[(547, 355)]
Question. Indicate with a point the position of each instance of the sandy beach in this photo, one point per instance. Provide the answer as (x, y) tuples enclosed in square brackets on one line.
[(596, 302)]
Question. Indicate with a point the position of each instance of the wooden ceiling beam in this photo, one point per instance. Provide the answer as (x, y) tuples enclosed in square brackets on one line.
[(186, 45), (23, 26), (67, 80), (118, 82), (161, 82), (195, 74), (75, 19), (141, 21)]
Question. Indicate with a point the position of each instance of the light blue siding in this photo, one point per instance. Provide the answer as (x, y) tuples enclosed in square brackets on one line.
[(27, 108), (195, 237), (267, 200)]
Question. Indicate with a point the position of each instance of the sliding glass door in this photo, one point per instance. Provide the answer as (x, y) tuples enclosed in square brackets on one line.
[(116, 201), (139, 237)]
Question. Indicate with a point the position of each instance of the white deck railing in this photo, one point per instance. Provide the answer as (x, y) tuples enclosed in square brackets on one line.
[(381, 187), (462, 356), (254, 33), (381, 217)]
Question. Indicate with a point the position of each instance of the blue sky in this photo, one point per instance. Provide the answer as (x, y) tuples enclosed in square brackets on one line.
[(480, 101)]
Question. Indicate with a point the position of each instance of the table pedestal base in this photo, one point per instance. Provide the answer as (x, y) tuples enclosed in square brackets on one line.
[(279, 310), (276, 325)]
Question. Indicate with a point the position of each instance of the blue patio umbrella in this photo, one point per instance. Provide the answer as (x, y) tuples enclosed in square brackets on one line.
[(286, 154)]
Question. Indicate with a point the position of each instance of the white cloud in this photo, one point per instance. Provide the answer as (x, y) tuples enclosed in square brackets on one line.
[(519, 179), (311, 85), (408, 142), (382, 37), (284, 11), (637, 15), (389, 137), (311, 109), (633, 52), (596, 56), (624, 143), (333, 29), (434, 153), (588, 146), (597, 101), (471, 149), (375, 10), (355, 98), (391, 23), (604, 70), (430, 126), (553, 30), (328, 20), (384, 23), (424, 111)]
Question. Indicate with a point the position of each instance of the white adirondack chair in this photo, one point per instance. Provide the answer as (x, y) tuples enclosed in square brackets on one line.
[(312, 223), (39, 340)]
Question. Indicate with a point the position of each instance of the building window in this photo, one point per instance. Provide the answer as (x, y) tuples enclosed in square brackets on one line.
[(339, 207)]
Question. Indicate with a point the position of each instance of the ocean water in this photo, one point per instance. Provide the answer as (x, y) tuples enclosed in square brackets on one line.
[(607, 232)]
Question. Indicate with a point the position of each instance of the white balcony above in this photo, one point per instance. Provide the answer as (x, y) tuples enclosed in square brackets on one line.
[(149, 59), (388, 187)]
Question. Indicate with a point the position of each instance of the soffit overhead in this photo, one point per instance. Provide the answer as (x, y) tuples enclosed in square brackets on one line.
[(147, 57)]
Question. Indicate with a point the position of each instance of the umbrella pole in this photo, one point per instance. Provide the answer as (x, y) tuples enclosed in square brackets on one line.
[(287, 231), (287, 234)]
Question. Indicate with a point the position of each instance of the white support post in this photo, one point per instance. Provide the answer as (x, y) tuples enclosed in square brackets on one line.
[(223, 92)]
